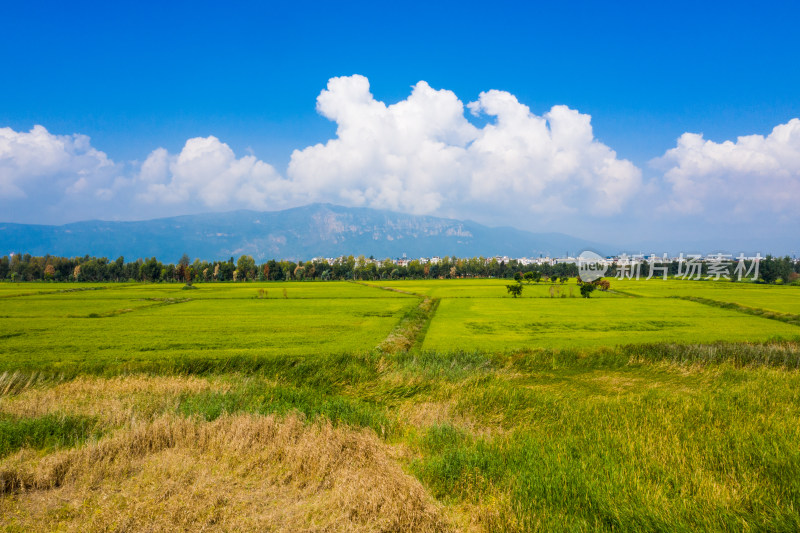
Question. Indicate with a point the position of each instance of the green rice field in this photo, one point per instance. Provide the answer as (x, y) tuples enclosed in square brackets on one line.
[(576, 323), (144, 323), (785, 299)]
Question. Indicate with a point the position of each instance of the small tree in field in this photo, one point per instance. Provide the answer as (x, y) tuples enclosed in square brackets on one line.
[(514, 289), (528, 276), (587, 289)]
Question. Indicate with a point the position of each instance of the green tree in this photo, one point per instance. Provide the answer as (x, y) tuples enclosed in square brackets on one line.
[(587, 289), (117, 269), (769, 269), (225, 272), (246, 267), (150, 270), (785, 268), (514, 289)]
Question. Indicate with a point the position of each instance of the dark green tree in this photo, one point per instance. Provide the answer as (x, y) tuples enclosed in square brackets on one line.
[(514, 289), (587, 289), (769, 269), (785, 268)]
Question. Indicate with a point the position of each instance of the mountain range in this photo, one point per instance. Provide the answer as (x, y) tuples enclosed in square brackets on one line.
[(316, 230)]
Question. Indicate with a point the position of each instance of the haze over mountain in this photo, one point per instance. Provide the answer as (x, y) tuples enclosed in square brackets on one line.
[(299, 233)]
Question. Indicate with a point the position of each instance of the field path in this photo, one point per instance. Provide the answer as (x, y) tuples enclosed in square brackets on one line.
[(410, 332)]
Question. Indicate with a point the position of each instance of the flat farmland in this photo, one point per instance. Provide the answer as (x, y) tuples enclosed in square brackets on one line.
[(61, 324), (151, 322), (478, 314), (783, 299), (490, 324)]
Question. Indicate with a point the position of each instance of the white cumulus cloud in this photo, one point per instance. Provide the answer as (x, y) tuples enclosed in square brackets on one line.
[(754, 174), (550, 163), (207, 172), (422, 155), (404, 156), (37, 162)]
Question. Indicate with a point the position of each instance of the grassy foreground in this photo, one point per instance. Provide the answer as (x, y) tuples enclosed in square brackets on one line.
[(388, 435)]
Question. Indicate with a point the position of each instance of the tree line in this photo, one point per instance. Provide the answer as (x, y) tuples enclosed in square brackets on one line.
[(24, 267)]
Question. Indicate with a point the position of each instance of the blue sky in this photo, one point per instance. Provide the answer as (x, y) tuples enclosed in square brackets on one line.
[(137, 76)]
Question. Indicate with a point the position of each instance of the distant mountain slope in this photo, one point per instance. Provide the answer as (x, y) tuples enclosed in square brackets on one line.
[(298, 233)]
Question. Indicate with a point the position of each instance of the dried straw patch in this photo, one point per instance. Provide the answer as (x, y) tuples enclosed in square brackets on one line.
[(242, 472), (115, 400), (610, 382), (425, 414), (435, 413)]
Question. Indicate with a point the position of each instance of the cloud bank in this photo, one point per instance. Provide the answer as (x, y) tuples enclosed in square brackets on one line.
[(425, 155)]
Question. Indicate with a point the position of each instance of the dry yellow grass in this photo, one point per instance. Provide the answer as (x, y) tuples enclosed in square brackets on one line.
[(115, 400), (238, 473), (423, 415)]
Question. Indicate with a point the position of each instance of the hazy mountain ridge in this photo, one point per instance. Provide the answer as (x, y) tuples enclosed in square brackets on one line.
[(297, 233)]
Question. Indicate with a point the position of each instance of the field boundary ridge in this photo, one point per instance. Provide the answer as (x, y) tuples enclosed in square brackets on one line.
[(788, 318), (410, 331)]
